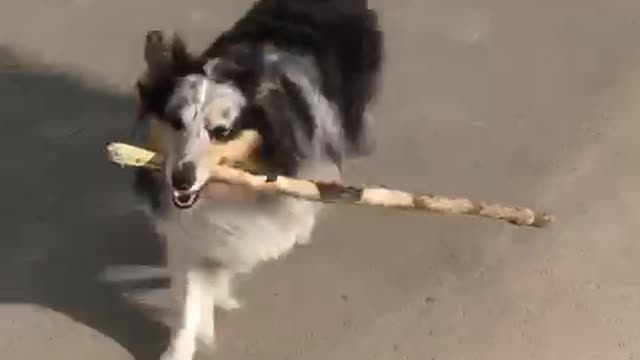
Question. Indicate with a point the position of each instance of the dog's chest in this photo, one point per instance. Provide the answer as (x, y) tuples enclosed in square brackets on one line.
[(240, 235)]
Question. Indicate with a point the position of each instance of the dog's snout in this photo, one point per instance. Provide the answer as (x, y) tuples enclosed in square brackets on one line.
[(184, 176)]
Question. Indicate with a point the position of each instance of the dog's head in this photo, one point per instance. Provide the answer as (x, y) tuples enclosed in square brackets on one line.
[(190, 112), (193, 103)]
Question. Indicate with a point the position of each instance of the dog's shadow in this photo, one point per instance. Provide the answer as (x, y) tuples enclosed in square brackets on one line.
[(66, 212)]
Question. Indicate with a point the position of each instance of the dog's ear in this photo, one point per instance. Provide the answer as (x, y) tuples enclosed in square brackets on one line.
[(163, 51), (165, 55)]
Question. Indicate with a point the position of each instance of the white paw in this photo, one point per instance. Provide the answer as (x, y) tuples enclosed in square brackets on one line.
[(180, 349), (206, 335), (168, 355), (171, 354), (206, 332), (303, 240), (207, 345), (208, 341), (228, 303)]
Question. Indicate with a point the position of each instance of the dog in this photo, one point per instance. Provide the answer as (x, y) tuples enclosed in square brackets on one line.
[(303, 74)]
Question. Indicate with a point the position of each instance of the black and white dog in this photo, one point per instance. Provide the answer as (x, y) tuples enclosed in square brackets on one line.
[(300, 72)]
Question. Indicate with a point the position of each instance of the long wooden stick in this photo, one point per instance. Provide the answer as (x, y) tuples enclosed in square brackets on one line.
[(329, 192)]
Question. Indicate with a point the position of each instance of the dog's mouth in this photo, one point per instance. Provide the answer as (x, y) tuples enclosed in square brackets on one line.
[(185, 199)]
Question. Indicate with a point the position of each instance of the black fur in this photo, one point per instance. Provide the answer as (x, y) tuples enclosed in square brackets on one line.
[(149, 186), (155, 90), (344, 41), (343, 37)]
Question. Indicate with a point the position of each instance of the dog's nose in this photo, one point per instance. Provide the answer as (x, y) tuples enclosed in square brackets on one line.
[(184, 176)]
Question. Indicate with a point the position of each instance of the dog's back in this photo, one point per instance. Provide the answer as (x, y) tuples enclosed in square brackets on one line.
[(341, 36)]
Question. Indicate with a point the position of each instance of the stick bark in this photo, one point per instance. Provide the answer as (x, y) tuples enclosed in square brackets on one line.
[(329, 192)]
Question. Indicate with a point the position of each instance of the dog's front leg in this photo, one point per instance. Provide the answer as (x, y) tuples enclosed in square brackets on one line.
[(224, 298), (198, 293)]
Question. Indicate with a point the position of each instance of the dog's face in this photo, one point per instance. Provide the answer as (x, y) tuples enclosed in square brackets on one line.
[(190, 113), (197, 103), (199, 113)]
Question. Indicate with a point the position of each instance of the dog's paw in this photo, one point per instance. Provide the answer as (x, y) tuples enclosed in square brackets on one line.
[(207, 340), (206, 334), (168, 355), (228, 303), (181, 348), (303, 240), (171, 354), (207, 346)]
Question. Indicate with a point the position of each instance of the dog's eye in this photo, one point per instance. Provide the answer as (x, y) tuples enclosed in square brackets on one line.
[(220, 133)]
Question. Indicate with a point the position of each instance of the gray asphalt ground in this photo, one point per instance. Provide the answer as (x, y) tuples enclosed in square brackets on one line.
[(527, 102)]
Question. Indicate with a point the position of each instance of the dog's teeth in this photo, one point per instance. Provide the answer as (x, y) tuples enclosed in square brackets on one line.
[(184, 199)]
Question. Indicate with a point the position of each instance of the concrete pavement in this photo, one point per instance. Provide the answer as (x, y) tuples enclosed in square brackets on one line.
[(527, 102)]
